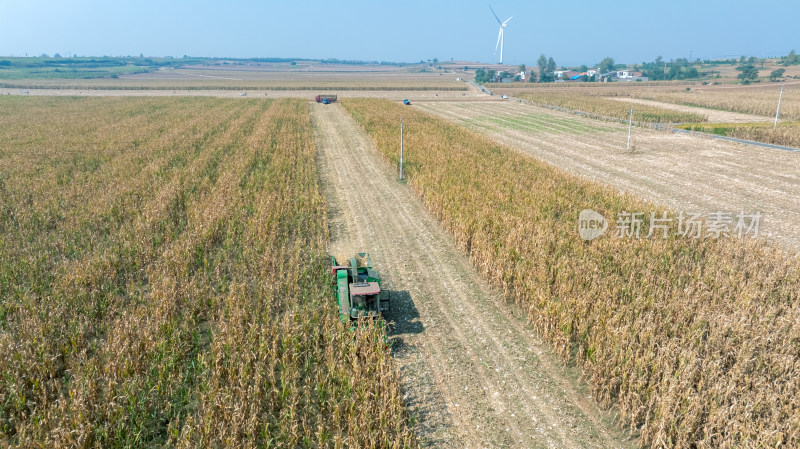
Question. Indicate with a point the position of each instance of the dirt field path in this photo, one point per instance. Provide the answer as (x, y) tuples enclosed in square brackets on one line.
[(714, 115), (683, 172), (473, 372)]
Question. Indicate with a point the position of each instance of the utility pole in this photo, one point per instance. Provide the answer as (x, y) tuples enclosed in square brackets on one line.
[(779, 108), (630, 122), (401, 149)]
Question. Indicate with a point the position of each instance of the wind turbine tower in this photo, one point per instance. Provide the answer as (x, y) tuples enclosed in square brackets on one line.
[(500, 35)]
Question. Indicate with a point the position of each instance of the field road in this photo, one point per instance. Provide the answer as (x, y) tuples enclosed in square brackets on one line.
[(473, 372)]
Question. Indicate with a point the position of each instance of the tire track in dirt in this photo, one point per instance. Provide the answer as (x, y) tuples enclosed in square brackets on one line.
[(473, 372)]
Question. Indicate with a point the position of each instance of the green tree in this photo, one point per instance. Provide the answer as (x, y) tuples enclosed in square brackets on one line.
[(551, 64), (480, 75), (583, 68), (606, 65), (776, 74), (681, 62), (521, 68), (483, 76), (748, 73), (791, 59), (674, 72), (545, 75), (531, 76), (542, 62), (680, 68)]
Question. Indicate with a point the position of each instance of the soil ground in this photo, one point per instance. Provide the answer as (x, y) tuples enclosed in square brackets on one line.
[(474, 373)]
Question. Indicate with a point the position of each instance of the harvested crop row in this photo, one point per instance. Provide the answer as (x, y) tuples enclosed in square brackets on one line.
[(694, 340), (164, 281), (533, 122)]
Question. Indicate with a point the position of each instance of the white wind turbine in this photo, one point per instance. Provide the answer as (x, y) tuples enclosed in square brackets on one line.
[(500, 36)]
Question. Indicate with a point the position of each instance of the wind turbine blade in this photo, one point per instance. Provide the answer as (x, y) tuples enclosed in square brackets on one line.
[(501, 45), (495, 15), (499, 38), (504, 23)]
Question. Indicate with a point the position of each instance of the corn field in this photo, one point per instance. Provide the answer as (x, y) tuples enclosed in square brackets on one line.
[(786, 133), (582, 101), (164, 282), (761, 101), (695, 341)]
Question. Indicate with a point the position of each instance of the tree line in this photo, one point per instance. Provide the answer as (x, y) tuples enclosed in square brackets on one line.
[(657, 70)]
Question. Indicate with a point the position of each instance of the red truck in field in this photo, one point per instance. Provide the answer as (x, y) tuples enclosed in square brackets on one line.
[(325, 99)]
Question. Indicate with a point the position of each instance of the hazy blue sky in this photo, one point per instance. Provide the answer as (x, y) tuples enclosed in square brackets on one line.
[(573, 32)]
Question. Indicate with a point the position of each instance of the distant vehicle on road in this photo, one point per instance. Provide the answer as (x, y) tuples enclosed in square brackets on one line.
[(325, 99)]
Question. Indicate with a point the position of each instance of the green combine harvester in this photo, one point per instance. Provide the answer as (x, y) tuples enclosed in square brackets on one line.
[(357, 287)]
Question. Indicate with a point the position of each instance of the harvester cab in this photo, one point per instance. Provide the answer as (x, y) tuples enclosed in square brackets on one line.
[(357, 287)]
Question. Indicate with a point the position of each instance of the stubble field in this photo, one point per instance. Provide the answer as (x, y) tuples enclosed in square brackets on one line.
[(744, 112), (328, 77)]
